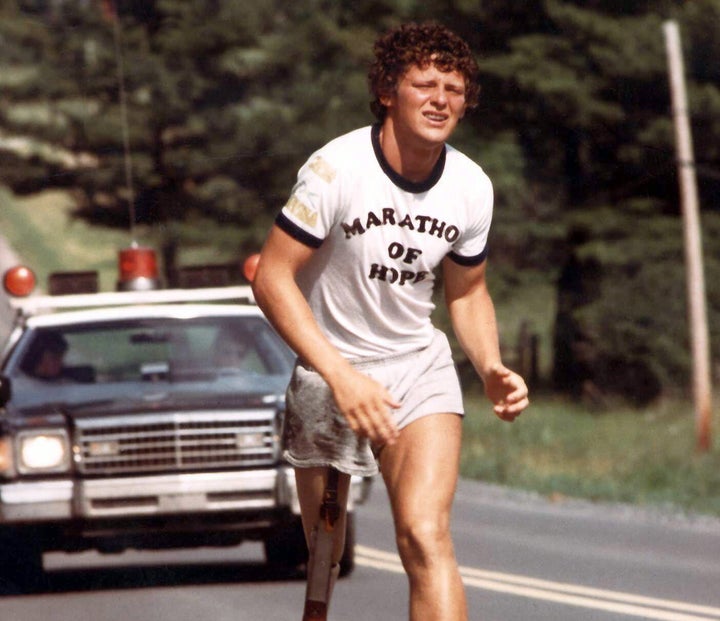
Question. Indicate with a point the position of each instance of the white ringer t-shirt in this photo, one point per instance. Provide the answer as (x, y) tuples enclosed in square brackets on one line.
[(379, 237)]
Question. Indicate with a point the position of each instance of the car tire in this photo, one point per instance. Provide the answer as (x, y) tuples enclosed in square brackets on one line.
[(21, 562), (286, 549), (347, 562)]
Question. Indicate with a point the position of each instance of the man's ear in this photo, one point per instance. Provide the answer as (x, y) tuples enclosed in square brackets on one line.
[(386, 96), (386, 99)]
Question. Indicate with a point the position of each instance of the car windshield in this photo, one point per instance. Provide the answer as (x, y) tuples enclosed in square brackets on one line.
[(240, 353)]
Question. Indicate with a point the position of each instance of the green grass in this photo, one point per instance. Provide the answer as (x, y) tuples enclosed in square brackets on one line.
[(559, 448), (556, 448), (43, 232), (42, 229)]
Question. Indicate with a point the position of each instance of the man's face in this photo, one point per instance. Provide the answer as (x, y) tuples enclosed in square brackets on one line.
[(427, 105), (50, 365)]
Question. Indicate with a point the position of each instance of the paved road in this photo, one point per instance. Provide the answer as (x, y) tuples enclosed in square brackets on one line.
[(523, 558), (526, 558)]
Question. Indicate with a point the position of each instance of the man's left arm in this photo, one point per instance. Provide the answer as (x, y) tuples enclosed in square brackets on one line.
[(472, 313)]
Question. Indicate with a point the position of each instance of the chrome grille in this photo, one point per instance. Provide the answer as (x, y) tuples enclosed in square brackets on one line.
[(176, 442)]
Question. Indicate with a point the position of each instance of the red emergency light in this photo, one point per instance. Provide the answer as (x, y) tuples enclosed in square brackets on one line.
[(138, 269), (250, 266), (19, 281)]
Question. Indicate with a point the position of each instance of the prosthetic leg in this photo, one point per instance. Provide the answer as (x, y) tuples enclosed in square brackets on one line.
[(321, 573)]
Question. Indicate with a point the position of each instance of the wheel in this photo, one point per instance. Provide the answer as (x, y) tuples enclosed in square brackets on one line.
[(21, 562), (347, 562), (286, 549)]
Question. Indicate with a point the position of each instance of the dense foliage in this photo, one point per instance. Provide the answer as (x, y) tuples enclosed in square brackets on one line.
[(225, 99)]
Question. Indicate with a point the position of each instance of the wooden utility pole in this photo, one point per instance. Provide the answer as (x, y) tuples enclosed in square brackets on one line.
[(697, 313)]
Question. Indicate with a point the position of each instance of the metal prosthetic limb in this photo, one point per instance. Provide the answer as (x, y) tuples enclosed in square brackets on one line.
[(321, 573)]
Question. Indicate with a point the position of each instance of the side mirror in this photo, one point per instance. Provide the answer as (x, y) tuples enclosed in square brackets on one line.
[(5, 390)]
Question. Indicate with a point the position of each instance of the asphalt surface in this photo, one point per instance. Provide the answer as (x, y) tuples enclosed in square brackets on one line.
[(523, 557)]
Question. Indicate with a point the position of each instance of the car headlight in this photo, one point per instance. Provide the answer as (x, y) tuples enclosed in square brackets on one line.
[(43, 451)]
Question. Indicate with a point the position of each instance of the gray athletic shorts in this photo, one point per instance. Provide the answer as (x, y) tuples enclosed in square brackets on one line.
[(316, 434)]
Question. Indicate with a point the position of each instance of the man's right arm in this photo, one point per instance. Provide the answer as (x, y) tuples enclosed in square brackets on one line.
[(364, 402)]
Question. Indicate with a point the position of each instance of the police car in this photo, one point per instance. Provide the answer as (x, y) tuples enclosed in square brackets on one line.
[(143, 418)]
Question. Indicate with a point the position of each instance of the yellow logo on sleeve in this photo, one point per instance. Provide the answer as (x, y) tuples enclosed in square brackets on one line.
[(322, 169), (301, 211)]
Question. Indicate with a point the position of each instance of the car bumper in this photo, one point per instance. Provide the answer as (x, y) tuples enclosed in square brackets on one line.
[(67, 499), (57, 500)]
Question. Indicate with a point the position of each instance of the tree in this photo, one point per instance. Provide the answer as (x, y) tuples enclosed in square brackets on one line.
[(577, 92), (223, 102)]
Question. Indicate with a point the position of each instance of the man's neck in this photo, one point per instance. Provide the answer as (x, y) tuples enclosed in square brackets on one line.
[(409, 157)]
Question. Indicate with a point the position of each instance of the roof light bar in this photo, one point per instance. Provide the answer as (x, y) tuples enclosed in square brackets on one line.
[(210, 275), (66, 283), (125, 298)]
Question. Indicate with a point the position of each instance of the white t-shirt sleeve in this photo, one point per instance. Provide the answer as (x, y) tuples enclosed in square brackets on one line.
[(471, 246), (311, 211)]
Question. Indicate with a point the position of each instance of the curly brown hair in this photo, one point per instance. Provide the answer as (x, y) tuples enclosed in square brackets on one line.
[(420, 44)]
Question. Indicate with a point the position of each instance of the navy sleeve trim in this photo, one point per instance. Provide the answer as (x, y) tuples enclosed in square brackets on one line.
[(296, 232), (469, 261)]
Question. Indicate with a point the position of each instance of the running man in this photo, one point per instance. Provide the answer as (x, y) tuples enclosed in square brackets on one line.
[(346, 276)]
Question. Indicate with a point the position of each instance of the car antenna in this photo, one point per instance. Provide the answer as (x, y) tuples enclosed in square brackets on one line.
[(111, 14)]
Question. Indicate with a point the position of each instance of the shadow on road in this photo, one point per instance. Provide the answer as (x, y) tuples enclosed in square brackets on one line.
[(148, 576)]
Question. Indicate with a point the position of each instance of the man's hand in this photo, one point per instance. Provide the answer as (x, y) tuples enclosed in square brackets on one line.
[(508, 392), (366, 405)]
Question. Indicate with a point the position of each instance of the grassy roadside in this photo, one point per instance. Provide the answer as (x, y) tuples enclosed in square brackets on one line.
[(41, 230), (560, 449), (557, 448)]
